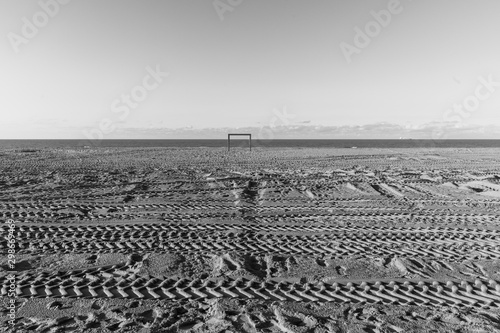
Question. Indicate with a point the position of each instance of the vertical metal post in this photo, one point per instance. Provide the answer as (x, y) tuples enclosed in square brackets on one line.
[(228, 142)]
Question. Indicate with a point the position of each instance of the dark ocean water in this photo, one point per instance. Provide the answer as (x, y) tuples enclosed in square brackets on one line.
[(26, 144)]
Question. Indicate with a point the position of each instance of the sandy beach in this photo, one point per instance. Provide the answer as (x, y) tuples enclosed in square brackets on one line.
[(272, 240)]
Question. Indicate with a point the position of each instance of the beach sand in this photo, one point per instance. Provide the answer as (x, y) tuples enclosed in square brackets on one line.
[(272, 240)]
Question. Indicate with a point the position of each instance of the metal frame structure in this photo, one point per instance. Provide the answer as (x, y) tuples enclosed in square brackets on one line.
[(238, 134)]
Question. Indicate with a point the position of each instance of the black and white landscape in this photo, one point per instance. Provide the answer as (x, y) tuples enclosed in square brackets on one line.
[(368, 202)]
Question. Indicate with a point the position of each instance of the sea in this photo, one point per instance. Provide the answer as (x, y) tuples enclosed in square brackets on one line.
[(195, 143)]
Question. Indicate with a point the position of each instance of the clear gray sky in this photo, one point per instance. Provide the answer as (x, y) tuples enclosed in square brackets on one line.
[(232, 68)]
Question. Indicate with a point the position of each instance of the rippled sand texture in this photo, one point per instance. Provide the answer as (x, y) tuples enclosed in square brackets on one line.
[(273, 240)]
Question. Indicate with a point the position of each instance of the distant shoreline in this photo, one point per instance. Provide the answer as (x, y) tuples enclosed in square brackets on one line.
[(282, 143)]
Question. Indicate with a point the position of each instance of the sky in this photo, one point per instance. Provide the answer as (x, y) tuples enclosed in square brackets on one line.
[(146, 68)]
